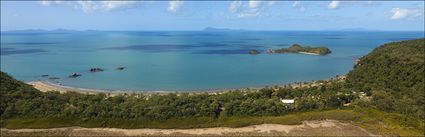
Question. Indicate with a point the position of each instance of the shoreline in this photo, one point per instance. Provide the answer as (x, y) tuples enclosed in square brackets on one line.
[(46, 86), (306, 128), (308, 53)]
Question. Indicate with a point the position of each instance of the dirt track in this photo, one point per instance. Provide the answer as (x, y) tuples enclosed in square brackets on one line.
[(308, 128)]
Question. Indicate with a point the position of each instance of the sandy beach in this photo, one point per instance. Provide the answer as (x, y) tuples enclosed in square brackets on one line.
[(308, 128), (308, 53), (45, 86)]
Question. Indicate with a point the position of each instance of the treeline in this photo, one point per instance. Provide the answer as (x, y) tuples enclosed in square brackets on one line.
[(394, 75), (21, 100)]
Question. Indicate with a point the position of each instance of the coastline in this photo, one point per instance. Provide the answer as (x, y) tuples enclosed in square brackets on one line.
[(45, 86)]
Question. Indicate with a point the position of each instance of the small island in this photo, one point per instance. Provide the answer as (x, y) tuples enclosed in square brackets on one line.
[(296, 48), (254, 52)]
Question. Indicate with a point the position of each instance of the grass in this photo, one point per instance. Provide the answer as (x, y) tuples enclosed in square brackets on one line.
[(375, 121), (390, 124)]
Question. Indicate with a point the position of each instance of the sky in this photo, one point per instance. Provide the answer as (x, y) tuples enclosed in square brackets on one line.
[(197, 15)]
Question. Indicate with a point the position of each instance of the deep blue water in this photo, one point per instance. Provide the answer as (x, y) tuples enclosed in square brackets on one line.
[(184, 60)]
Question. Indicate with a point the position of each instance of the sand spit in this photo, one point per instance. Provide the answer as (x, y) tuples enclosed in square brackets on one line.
[(308, 128)]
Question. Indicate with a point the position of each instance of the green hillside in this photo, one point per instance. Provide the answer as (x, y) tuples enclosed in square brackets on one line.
[(394, 75)]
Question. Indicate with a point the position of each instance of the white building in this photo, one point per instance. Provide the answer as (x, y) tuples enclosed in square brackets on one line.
[(287, 101)]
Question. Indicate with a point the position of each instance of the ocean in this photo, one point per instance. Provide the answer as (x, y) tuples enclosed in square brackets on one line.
[(184, 60)]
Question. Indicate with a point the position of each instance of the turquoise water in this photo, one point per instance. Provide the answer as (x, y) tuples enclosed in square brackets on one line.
[(183, 60)]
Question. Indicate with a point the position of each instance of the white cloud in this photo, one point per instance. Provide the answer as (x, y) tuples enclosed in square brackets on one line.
[(91, 6), (370, 2), (45, 3), (254, 4), (249, 9), (174, 6), (48, 3), (235, 5), (249, 15), (334, 4), (272, 3), (401, 13), (114, 5), (87, 6), (298, 5)]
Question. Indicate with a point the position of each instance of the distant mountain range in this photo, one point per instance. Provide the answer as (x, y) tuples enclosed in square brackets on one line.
[(352, 29), (221, 29), (40, 31)]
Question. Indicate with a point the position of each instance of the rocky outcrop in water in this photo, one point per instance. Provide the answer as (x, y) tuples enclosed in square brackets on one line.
[(96, 70)]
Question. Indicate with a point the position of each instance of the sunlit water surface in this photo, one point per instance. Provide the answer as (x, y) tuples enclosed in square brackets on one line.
[(196, 60)]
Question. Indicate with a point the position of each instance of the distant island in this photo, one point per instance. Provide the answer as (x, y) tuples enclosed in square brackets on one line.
[(58, 30), (296, 48), (211, 29), (254, 52)]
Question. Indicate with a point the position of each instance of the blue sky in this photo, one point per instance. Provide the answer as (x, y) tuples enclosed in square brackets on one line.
[(196, 15)]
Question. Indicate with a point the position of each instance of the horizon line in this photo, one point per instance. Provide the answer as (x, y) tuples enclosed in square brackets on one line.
[(205, 29)]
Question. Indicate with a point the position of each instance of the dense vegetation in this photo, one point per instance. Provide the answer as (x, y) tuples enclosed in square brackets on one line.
[(21, 100), (390, 79), (296, 48), (394, 75)]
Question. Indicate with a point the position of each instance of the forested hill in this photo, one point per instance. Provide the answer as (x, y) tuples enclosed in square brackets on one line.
[(9, 84), (393, 73)]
